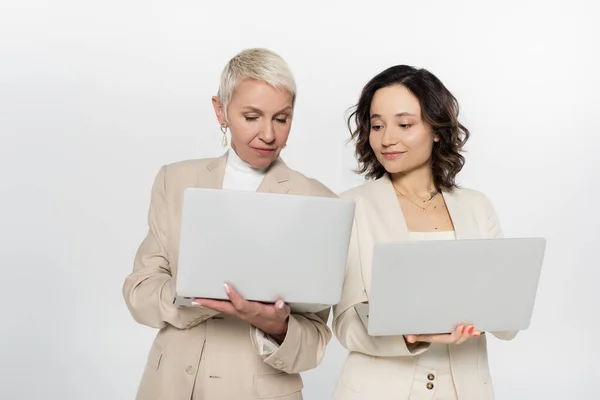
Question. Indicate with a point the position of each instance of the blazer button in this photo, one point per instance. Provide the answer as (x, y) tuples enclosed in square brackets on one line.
[(431, 377), (190, 370), (429, 385)]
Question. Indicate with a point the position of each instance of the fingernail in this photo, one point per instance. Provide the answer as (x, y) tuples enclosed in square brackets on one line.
[(471, 329), (477, 334), (226, 286), (281, 304)]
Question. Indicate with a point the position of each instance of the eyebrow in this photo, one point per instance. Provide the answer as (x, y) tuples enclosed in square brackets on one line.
[(402, 114), (259, 111)]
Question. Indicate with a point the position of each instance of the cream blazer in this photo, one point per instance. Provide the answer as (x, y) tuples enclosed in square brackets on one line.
[(385, 367), (198, 347)]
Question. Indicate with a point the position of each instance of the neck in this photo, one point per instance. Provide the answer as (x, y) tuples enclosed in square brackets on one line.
[(240, 164), (416, 183)]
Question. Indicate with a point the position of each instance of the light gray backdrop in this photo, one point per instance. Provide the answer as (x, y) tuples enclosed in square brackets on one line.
[(96, 96)]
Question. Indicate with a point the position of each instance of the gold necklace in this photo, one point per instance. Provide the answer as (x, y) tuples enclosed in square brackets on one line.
[(424, 209)]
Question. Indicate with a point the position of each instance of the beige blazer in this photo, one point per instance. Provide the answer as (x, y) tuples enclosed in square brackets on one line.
[(385, 367), (198, 350)]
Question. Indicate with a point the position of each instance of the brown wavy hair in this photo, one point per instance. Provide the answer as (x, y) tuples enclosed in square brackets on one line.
[(439, 108)]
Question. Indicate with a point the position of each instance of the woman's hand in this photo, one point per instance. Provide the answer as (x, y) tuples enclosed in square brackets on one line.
[(460, 335), (269, 318)]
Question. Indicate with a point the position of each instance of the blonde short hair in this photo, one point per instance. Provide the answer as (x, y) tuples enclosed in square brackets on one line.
[(259, 64)]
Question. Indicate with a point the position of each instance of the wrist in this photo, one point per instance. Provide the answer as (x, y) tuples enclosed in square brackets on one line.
[(279, 332)]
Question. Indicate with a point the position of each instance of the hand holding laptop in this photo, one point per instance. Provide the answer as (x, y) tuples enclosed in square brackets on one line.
[(269, 318), (460, 335)]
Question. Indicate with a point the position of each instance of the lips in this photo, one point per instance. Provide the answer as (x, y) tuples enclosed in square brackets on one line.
[(264, 151), (392, 155)]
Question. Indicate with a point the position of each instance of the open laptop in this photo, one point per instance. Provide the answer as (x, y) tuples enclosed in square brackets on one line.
[(266, 245), (428, 287)]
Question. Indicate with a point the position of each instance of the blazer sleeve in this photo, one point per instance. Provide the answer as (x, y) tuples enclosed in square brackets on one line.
[(495, 231), (304, 345), (308, 334), (347, 325), (149, 289)]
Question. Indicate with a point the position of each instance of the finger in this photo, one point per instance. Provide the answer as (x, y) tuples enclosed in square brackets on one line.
[(466, 334), (433, 338), (458, 333), (282, 310), (218, 305), (411, 338), (448, 338), (238, 301)]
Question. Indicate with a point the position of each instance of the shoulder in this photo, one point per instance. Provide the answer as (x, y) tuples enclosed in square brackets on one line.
[(471, 198), (469, 195), (307, 185), (363, 191), (183, 167), (182, 173)]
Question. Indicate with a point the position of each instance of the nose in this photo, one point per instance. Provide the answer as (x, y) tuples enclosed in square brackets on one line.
[(388, 138), (267, 134)]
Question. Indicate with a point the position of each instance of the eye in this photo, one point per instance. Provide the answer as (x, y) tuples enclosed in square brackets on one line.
[(376, 127), (281, 120), (405, 126), (249, 119)]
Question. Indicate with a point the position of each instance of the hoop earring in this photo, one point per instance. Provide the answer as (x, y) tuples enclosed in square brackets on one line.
[(224, 130)]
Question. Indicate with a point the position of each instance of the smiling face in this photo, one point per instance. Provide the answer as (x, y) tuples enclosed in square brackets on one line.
[(259, 117), (400, 139)]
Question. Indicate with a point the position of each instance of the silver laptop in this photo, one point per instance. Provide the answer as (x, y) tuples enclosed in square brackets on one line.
[(266, 245), (427, 287)]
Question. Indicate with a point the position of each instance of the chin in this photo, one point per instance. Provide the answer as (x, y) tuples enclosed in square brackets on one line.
[(262, 162), (392, 168)]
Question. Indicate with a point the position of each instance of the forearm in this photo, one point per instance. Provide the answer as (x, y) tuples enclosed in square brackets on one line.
[(304, 344), (352, 334), (149, 298)]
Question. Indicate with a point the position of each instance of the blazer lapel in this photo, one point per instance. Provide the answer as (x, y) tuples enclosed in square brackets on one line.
[(389, 211), (276, 179), (216, 171), (465, 226)]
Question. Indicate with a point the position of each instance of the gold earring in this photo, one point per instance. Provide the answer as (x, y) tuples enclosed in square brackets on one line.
[(224, 130)]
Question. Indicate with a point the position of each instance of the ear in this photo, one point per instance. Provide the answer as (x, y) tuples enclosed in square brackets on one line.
[(219, 112)]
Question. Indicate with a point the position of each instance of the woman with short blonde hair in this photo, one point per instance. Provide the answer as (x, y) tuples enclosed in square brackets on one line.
[(233, 349)]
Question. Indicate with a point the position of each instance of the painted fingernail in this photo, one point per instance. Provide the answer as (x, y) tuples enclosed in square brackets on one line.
[(226, 286), (281, 304), (471, 329), (476, 333)]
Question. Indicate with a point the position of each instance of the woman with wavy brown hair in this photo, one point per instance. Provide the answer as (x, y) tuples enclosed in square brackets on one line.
[(408, 143)]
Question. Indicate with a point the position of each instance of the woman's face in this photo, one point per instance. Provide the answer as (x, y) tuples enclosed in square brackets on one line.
[(259, 118), (401, 140)]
